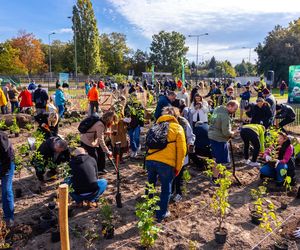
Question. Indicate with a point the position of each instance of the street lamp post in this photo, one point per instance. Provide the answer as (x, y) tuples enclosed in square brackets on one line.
[(50, 65), (75, 49), (204, 34), (249, 52)]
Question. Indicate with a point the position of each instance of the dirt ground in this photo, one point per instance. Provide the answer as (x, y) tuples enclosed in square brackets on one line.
[(190, 226)]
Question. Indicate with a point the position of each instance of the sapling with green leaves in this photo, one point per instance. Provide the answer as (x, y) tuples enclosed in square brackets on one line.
[(186, 176), (287, 184), (220, 198), (106, 215), (258, 195), (145, 211), (14, 128), (3, 124)]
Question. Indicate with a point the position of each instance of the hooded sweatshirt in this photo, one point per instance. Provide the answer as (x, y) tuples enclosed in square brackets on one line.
[(84, 174), (220, 128)]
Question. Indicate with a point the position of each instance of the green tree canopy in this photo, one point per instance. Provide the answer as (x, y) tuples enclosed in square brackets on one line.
[(167, 49), (280, 49), (87, 38)]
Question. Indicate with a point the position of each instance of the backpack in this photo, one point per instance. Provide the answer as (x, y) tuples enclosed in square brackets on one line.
[(157, 137), (87, 123)]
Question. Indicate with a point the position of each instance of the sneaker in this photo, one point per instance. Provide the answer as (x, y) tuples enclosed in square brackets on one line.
[(139, 149), (254, 164), (247, 162), (168, 214), (9, 223), (134, 154), (177, 198), (104, 171)]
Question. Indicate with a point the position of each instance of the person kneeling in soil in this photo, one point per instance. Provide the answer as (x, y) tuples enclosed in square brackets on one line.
[(7, 168), (165, 162), (286, 113), (84, 179), (48, 124), (284, 160), (254, 133), (53, 150)]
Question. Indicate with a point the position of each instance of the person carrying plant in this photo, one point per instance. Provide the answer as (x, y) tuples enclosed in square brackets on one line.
[(165, 157), (3, 102), (119, 128), (7, 167), (164, 101), (134, 117), (254, 133), (84, 179), (278, 158), (286, 113), (92, 138), (220, 133), (52, 151), (25, 99), (60, 101), (93, 96)]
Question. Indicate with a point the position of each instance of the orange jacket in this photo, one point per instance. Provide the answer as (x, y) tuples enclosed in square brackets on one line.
[(93, 94)]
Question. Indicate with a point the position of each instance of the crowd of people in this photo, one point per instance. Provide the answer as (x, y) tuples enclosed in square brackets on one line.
[(187, 128)]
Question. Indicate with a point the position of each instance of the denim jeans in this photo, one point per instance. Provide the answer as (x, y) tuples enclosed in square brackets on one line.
[(274, 173), (7, 193), (282, 92), (166, 175), (134, 136), (4, 109), (94, 197), (61, 110), (14, 106)]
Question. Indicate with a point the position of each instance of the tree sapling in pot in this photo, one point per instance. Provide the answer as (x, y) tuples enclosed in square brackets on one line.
[(287, 185), (258, 197)]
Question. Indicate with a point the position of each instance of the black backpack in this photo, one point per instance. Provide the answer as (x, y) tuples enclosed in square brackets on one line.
[(157, 137), (87, 123)]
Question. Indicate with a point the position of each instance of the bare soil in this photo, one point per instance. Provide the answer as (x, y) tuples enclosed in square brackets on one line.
[(191, 225)]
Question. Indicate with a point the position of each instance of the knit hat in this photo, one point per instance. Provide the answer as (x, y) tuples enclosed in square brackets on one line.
[(266, 92)]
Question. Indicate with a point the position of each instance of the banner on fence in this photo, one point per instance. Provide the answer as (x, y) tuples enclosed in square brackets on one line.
[(294, 84), (64, 78)]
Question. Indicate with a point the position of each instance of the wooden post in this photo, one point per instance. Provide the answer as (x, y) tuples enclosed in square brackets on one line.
[(63, 217)]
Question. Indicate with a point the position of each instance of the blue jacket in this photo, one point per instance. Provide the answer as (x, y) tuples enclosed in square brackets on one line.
[(59, 97), (163, 101), (246, 95)]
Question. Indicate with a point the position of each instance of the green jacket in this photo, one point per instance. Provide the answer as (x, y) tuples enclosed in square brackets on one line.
[(220, 128), (260, 131)]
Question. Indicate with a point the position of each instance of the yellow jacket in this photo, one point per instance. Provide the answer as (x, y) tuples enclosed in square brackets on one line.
[(3, 100), (173, 155)]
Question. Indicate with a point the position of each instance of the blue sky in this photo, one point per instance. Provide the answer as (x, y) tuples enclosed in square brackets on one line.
[(231, 24)]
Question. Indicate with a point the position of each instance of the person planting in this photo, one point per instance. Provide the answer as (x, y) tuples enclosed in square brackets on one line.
[(52, 151), (7, 167), (48, 123), (283, 160), (286, 113), (92, 131), (220, 132), (84, 179), (165, 157), (254, 133)]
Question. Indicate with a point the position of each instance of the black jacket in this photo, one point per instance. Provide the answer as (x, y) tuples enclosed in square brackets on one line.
[(43, 118), (84, 174), (262, 115), (47, 150), (40, 98), (286, 111), (6, 153)]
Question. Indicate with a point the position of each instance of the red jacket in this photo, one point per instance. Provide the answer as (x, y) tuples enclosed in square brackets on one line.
[(101, 85), (26, 99)]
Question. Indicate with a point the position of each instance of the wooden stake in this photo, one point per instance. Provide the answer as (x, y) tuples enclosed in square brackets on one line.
[(63, 217)]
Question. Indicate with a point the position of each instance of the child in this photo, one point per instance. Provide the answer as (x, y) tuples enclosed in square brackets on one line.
[(245, 98)]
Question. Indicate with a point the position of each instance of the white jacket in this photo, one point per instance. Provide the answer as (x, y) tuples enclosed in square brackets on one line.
[(203, 111)]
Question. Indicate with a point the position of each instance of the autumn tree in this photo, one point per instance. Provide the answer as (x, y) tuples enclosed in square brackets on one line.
[(30, 52), (87, 38), (10, 63), (166, 51)]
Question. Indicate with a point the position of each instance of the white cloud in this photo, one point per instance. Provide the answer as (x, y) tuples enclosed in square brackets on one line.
[(230, 18), (63, 30)]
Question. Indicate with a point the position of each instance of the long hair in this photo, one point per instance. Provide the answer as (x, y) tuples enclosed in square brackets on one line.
[(108, 117), (197, 95)]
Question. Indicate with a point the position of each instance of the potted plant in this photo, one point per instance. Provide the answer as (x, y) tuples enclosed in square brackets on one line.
[(258, 197), (106, 215), (288, 187), (220, 202), (145, 211)]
